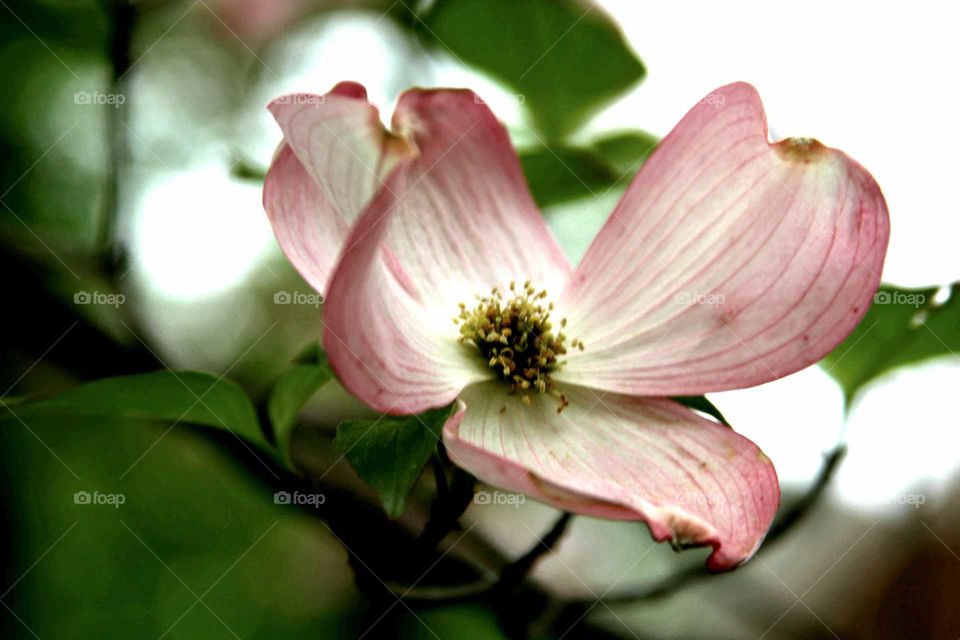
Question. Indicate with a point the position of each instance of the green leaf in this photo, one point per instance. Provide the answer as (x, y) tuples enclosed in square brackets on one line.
[(186, 396), (291, 391), (389, 453), (244, 169), (189, 502), (560, 173), (564, 58), (626, 151), (700, 403), (902, 327)]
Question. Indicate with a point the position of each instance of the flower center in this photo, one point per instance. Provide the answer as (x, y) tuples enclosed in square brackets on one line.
[(516, 339)]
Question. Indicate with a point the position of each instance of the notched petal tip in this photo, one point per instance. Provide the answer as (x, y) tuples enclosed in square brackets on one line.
[(399, 147), (350, 89), (805, 150), (346, 89), (684, 532), (419, 109), (746, 260), (646, 460), (334, 154)]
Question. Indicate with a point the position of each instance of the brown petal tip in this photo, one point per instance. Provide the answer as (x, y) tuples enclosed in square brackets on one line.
[(803, 150)]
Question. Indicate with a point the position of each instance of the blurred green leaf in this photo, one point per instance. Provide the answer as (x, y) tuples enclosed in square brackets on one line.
[(185, 396), (390, 452), (700, 403), (244, 169), (191, 512), (564, 58), (290, 392), (902, 326), (561, 173), (625, 151)]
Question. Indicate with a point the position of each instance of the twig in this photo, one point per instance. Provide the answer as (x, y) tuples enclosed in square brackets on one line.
[(123, 18), (511, 576), (514, 573), (831, 461), (778, 530)]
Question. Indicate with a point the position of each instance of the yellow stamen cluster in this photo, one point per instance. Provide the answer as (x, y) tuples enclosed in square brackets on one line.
[(516, 339)]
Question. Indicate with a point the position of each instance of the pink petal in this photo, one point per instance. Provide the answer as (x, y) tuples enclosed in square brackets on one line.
[(693, 481), (307, 227), (729, 261), (334, 155), (458, 219)]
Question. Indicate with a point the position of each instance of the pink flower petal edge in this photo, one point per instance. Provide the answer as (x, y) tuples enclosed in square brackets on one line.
[(692, 481), (447, 225), (333, 159), (729, 261)]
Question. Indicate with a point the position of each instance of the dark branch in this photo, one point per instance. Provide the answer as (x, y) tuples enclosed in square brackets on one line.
[(778, 530), (514, 573), (123, 18), (786, 521), (449, 505)]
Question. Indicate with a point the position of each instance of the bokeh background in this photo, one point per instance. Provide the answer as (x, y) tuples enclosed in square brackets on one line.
[(134, 137)]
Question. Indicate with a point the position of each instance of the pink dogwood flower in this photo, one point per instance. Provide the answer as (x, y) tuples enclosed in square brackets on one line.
[(730, 261)]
